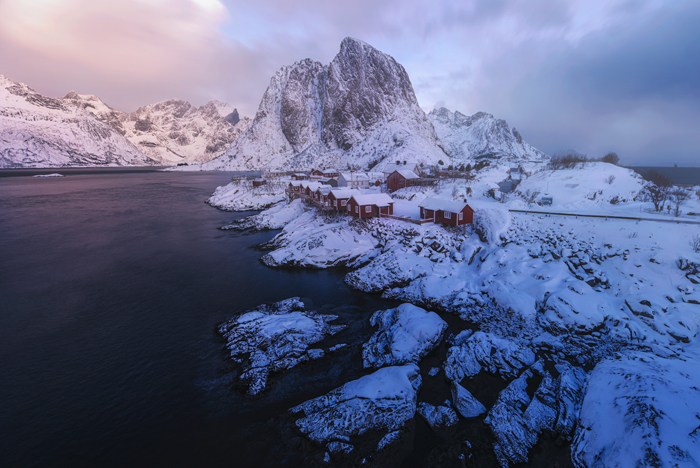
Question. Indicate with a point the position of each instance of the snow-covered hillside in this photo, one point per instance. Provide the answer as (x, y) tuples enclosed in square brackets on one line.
[(481, 136), (38, 131), (171, 131), (588, 186), (357, 110)]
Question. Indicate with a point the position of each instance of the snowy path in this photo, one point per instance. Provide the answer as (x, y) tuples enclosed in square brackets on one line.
[(660, 220)]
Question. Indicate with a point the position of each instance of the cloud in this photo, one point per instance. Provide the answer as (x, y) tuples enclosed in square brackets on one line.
[(597, 76)]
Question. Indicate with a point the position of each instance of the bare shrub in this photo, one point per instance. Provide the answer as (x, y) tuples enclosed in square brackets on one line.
[(611, 158), (567, 160), (695, 243), (610, 179)]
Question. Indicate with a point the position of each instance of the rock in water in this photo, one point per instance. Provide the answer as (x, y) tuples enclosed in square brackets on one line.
[(641, 410), (465, 403), (406, 334), (383, 401), (275, 337), (471, 354), (438, 417)]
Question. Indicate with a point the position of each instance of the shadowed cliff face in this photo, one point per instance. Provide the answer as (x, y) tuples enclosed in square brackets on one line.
[(364, 88), (301, 101)]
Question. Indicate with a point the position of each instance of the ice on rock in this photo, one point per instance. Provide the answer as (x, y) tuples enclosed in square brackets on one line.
[(641, 410), (406, 334), (437, 417), (465, 403), (488, 352), (383, 401), (275, 337)]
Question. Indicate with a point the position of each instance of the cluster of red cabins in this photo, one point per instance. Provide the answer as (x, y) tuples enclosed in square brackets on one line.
[(372, 205)]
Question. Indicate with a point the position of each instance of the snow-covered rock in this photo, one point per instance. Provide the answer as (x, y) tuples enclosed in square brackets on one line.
[(273, 338), (311, 240), (38, 131), (274, 218), (490, 223), (361, 108), (465, 403), (383, 402), (471, 354), (467, 139), (641, 409), (438, 417), (171, 131), (49, 175), (406, 334), (242, 196)]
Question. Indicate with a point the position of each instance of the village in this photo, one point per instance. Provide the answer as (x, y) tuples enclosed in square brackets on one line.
[(366, 194)]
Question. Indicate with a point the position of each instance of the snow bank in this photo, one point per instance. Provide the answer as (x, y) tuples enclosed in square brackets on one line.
[(641, 409)]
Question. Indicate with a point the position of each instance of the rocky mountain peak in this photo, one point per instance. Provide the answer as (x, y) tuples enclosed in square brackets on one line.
[(358, 109), (481, 136)]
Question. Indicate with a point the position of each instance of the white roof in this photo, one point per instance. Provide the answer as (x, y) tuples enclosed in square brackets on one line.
[(344, 193), (350, 176), (407, 174), (409, 166), (310, 185), (300, 174), (378, 199), (295, 183), (432, 203), (330, 171), (324, 189), (375, 175)]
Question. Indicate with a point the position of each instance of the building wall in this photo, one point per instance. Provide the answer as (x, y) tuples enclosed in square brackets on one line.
[(395, 181)]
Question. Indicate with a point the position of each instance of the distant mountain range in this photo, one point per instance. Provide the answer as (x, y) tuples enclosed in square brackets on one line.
[(360, 110), (81, 130)]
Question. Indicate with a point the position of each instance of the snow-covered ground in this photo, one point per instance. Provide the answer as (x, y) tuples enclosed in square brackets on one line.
[(551, 297)]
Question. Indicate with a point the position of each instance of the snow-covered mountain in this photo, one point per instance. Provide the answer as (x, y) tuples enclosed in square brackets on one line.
[(468, 138), (171, 131), (38, 131), (359, 109)]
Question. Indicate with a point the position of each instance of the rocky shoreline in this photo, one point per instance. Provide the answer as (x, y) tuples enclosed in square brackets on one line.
[(547, 309)]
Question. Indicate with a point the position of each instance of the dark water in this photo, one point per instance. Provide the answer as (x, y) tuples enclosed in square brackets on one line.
[(110, 290), (111, 287), (678, 175)]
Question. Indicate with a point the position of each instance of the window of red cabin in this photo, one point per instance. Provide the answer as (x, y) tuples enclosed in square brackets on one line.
[(368, 209), (448, 215), (461, 216)]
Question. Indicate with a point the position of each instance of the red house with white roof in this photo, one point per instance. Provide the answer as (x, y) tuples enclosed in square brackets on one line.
[(371, 205), (400, 179), (454, 213), (338, 199)]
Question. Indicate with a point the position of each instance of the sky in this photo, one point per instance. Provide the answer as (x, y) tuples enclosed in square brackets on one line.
[(588, 75)]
